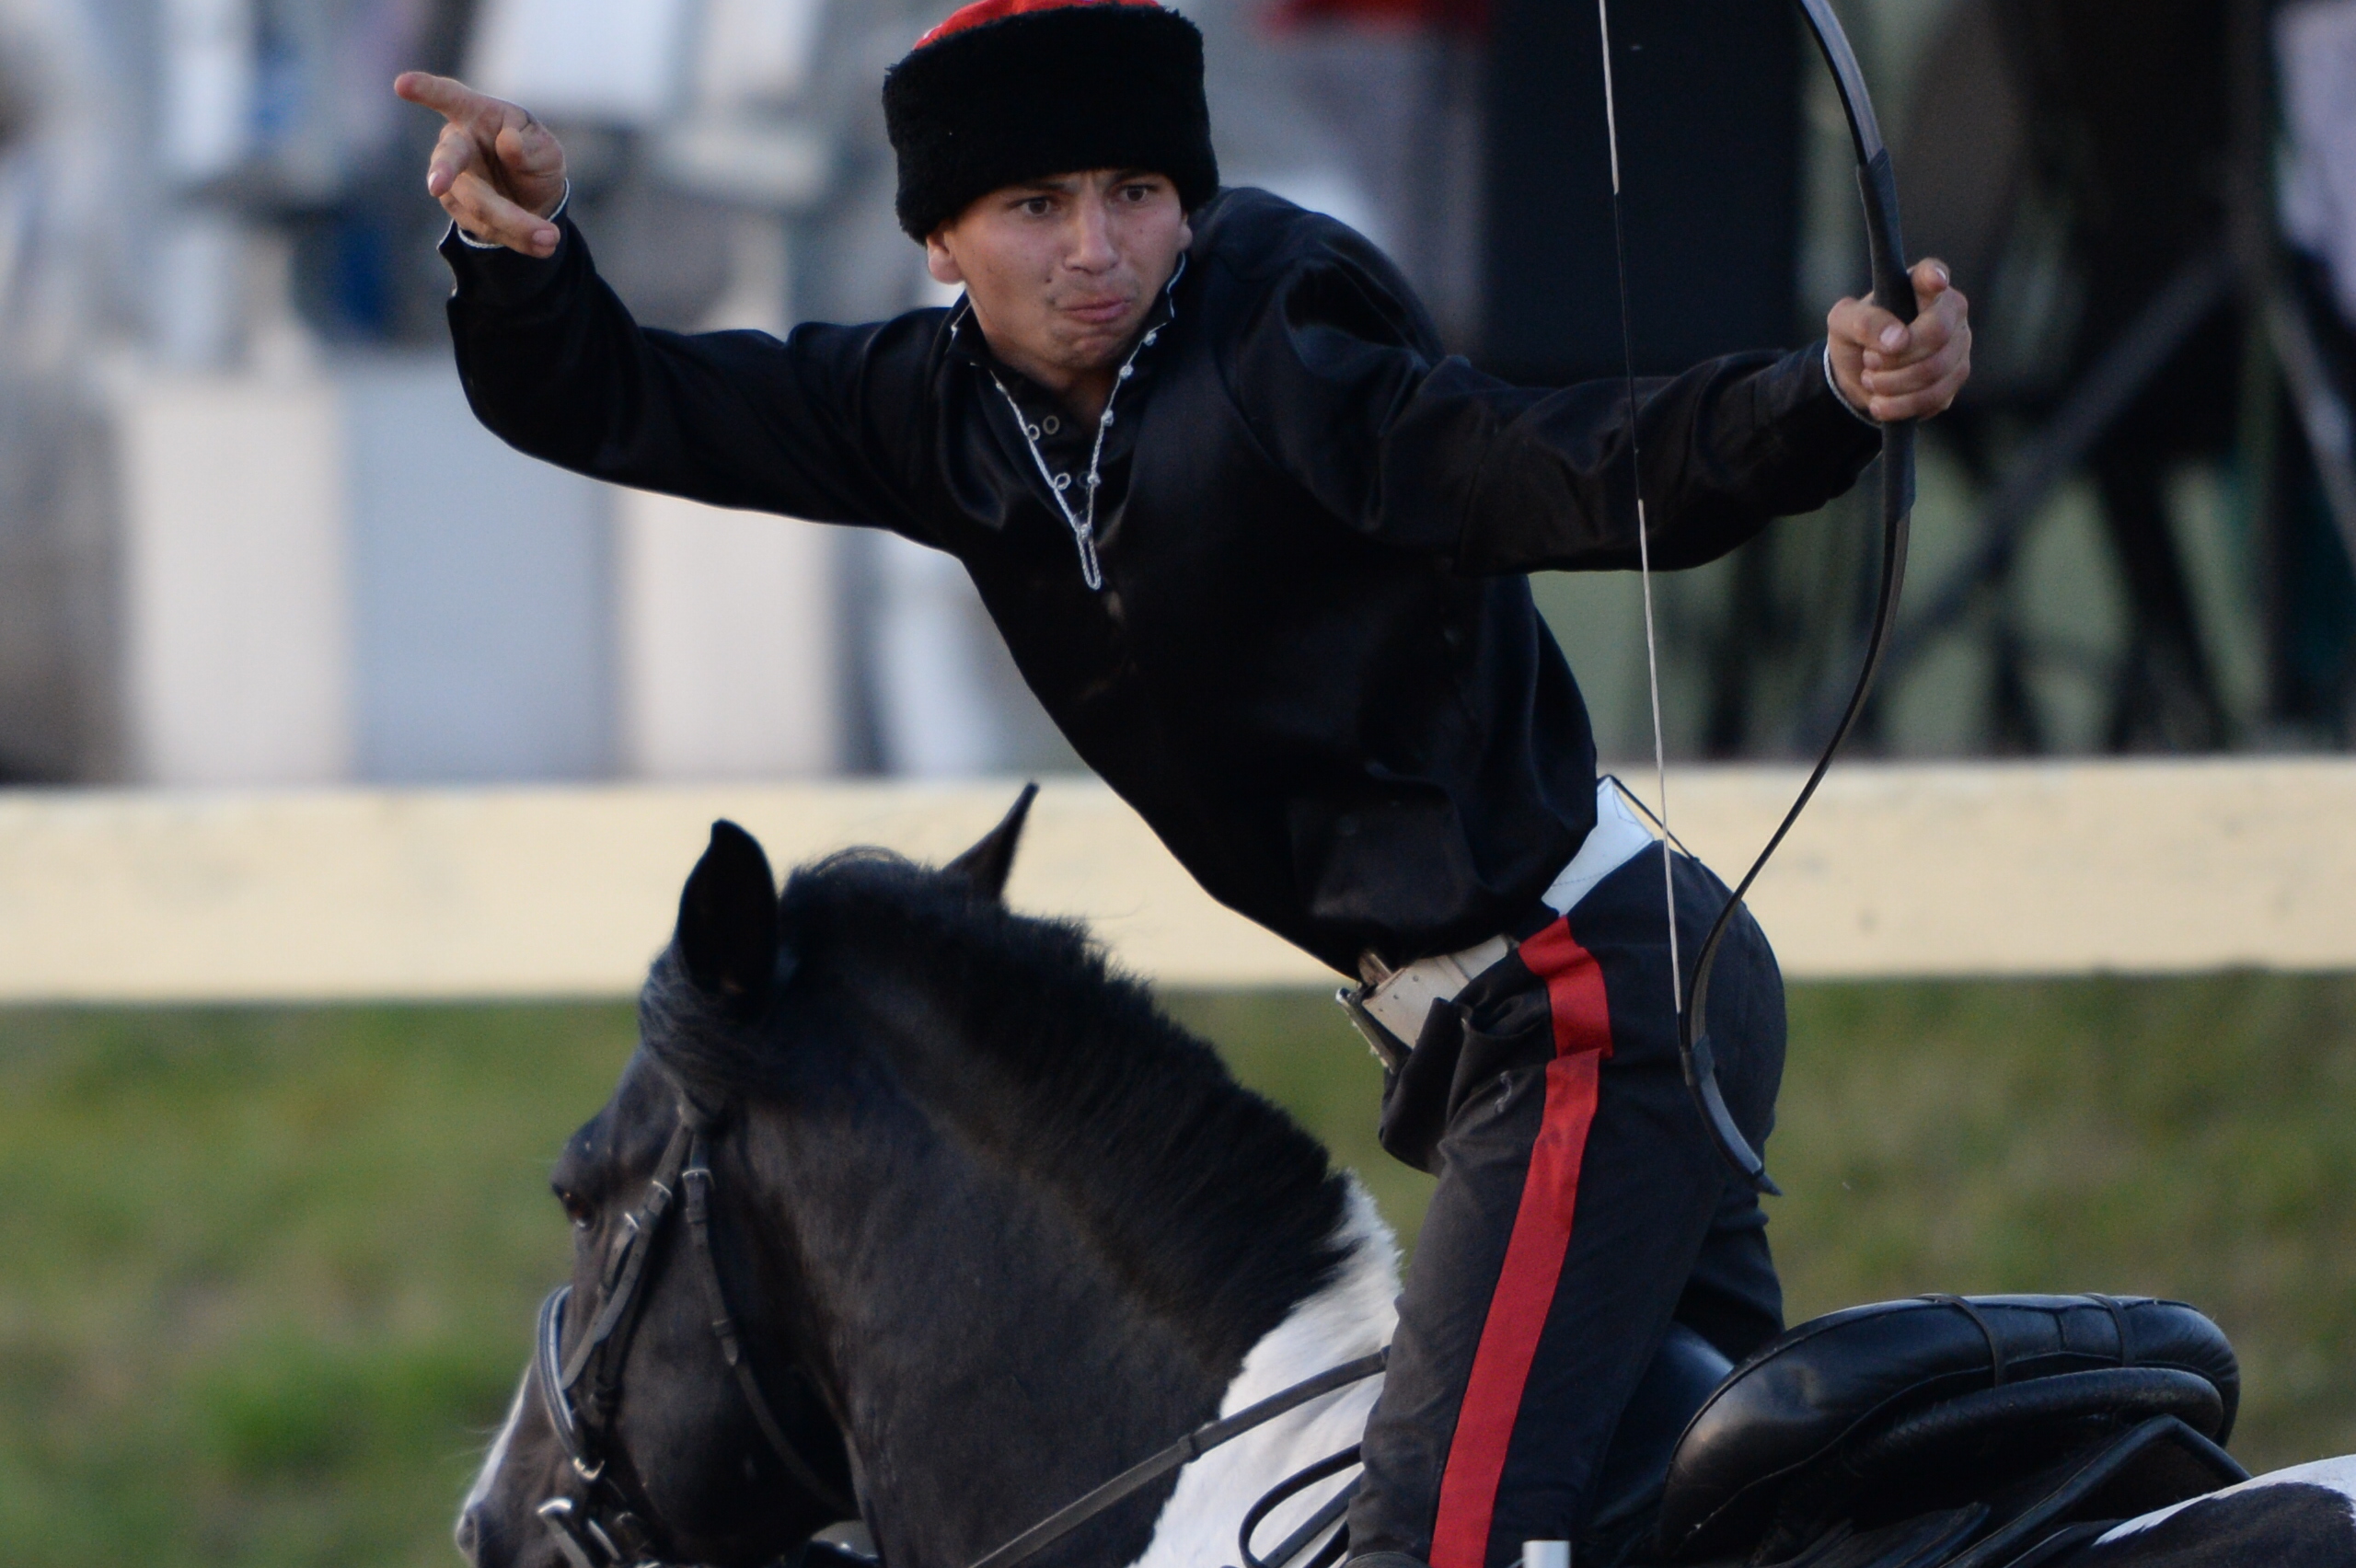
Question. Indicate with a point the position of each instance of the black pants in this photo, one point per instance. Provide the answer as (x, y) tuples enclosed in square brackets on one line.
[(1581, 1209)]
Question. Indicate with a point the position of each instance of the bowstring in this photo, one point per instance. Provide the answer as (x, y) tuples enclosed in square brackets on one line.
[(1643, 534)]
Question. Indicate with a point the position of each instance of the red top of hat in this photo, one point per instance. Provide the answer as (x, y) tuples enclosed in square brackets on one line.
[(982, 11)]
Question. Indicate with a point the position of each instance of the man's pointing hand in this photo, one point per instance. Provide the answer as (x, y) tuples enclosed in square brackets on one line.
[(496, 170)]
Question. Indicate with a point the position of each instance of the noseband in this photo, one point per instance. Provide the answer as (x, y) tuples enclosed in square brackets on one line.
[(614, 1524)]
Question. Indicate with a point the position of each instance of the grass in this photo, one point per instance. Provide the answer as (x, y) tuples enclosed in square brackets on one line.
[(2193, 1138), (269, 1275)]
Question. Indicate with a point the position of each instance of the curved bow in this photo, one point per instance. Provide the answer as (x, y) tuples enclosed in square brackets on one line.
[(1894, 290)]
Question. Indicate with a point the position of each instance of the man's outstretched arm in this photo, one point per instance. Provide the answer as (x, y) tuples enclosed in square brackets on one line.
[(1727, 447), (1348, 392), (554, 364)]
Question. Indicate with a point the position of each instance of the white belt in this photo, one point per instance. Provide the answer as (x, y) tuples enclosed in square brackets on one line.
[(1401, 1001)]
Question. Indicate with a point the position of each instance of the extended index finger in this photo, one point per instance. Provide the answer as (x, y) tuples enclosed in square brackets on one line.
[(444, 95)]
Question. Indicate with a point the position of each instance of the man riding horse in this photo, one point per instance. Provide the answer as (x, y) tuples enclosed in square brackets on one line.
[(1259, 546)]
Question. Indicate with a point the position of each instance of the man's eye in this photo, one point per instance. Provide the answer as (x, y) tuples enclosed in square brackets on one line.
[(1037, 206)]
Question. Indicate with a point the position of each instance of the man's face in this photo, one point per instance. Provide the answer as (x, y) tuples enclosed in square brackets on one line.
[(1062, 271)]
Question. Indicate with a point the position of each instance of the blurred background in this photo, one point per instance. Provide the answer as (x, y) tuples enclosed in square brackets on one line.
[(249, 534), (270, 1270)]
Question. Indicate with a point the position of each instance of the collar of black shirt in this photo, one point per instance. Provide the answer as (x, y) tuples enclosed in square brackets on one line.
[(1064, 441)]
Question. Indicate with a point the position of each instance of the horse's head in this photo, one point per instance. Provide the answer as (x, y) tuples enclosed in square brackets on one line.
[(979, 1225), (669, 1413)]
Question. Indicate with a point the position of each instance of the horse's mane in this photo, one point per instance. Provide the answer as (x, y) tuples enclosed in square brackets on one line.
[(1217, 1206)]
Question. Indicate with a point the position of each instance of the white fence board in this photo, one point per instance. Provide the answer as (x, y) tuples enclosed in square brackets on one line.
[(1896, 870)]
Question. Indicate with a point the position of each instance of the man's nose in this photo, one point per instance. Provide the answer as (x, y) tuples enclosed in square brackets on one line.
[(1091, 248)]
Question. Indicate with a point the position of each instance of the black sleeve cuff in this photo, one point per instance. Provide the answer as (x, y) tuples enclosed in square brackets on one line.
[(1807, 412), (505, 278)]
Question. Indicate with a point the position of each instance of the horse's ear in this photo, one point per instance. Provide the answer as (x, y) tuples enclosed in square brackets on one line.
[(727, 933), (992, 856)]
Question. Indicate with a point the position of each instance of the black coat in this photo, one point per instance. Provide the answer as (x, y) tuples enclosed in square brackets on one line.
[(1314, 667)]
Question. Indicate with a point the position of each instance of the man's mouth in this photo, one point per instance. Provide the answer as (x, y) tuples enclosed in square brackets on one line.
[(1098, 312)]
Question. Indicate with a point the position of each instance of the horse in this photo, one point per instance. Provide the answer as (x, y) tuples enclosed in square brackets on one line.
[(909, 1210)]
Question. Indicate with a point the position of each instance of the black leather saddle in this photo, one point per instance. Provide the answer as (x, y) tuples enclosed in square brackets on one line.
[(1991, 1423)]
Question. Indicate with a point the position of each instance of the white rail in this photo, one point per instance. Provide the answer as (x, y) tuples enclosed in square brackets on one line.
[(1896, 870)]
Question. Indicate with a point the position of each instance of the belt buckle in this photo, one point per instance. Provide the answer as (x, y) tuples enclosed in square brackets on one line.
[(1387, 1047), (1390, 1007)]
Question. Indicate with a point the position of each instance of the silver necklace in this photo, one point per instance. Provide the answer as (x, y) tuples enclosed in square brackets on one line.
[(1082, 522)]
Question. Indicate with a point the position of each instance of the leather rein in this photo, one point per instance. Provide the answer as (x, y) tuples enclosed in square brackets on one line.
[(1193, 1446), (614, 1525)]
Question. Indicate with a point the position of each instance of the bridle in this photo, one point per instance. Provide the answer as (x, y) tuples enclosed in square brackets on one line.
[(613, 1524)]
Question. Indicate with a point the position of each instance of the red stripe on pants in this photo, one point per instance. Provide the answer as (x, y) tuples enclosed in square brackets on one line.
[(1542, 1234)]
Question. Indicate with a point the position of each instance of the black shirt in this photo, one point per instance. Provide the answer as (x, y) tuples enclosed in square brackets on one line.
[(1313, 665)]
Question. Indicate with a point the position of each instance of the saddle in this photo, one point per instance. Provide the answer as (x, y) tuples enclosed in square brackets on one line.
[(1938, 1432)]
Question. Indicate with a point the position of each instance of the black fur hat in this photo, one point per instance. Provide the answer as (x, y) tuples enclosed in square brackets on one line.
[(1007, 90)]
